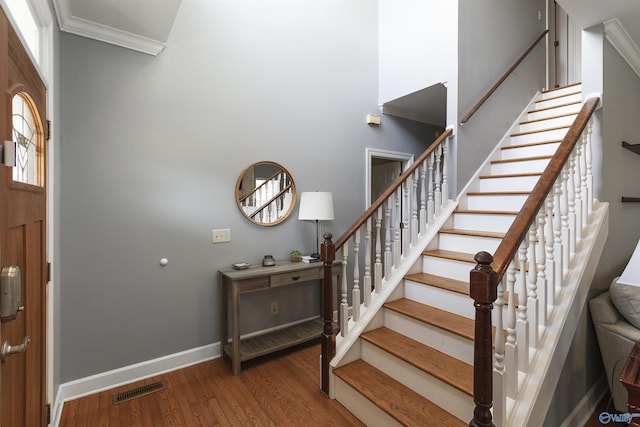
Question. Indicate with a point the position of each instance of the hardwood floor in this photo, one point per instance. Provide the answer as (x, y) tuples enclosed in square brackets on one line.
[(277, 390)]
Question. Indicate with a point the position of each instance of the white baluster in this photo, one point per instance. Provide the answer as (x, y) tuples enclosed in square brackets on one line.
[(550, 258), (423, 197), (564, 218), (542, 266), (344, 306), (577, 177), (522, 323), (532, 287), (438, 179), (367, 264), (445, 171), (387, 237), (571, 198), (404, 210), (589, 171), (511, 346), (430, 201), (355, 292), (584, 193), (397, 214), (414, 208), (557, 234), (377, 272)]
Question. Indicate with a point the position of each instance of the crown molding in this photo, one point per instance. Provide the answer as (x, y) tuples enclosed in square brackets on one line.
[(83, 27), (615, 33)]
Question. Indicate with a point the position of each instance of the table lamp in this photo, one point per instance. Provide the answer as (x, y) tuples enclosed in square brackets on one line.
[(316, 206)]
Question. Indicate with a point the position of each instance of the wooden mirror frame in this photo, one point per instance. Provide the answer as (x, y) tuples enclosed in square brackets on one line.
[(276, 195)]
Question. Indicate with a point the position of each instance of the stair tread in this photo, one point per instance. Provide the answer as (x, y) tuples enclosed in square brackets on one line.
[(478, 233), (537, 110), (497, 193), (483, 212), (530, 132), (511, 175), (554, 89), (400, 402), (440, 282), (454, 255), (542, 119), (442, 319), (531, 144), (521, 159), (439, 365), (560, 96)]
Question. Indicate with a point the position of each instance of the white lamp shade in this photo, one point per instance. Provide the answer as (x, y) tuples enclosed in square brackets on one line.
[(631, 273), (316, 205)]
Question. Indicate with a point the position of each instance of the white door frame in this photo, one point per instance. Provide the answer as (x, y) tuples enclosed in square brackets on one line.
[(371, 153)]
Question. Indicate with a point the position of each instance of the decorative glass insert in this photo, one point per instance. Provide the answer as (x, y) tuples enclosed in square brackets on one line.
[(26, 137)]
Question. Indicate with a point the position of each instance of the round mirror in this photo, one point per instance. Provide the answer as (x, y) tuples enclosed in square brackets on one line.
[(265, 193)]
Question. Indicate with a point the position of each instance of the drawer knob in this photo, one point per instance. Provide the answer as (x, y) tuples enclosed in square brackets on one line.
[(295, 277)]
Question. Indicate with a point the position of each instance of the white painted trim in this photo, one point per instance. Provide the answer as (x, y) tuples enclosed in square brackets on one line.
[(370, 153), (615, 33), (82, 27), (128, 374), (583, 410)]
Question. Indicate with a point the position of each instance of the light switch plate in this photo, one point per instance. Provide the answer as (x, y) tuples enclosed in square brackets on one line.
[(221, 235)]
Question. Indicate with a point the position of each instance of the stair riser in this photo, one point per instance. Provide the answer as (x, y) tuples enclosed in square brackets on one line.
[(504, 202), (536, 166), (454, 302), (561, 92), (365, 410), (434, 337), (448, 398), (558, 101), (518, 183), (483, 222), (529, 151), (547, 135), (548, 123), (470, 244), (565, 109)]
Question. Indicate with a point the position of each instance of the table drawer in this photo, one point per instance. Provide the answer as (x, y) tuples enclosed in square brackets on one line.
[(254, 284), (292, 277)]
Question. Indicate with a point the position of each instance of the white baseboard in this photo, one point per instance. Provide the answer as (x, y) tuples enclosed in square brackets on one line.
[(581, 413), (128, 374)]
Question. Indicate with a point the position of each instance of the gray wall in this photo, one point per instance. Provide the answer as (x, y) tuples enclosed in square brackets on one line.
[(492, 36), (151, 147)]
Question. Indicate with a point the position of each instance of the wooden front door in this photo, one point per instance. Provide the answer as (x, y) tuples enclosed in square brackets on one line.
[(23, 233)]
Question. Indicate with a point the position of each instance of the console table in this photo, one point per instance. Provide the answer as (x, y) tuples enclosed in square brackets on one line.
[(630, 379), (259, 278)]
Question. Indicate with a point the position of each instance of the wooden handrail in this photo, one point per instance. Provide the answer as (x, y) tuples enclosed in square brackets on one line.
[(486, 276), (466, 118), (389, 191)]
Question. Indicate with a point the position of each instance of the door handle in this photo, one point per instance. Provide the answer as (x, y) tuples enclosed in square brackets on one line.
[(8, 349)]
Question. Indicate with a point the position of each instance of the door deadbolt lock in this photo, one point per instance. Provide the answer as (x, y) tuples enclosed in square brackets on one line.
[(8, 349), (10, 293)]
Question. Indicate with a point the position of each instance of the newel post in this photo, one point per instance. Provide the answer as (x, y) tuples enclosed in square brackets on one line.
[(483, 289), (328, 345)]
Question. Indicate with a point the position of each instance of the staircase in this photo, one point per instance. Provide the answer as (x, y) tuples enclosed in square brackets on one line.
[(413, 363)]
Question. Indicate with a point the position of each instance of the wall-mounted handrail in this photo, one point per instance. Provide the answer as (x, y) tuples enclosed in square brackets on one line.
[(466, 118)]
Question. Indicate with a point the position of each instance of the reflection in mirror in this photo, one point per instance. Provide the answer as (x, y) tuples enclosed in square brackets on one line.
[(265, 193)]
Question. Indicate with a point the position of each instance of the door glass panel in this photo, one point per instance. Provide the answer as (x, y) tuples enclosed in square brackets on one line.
[(26, 135)]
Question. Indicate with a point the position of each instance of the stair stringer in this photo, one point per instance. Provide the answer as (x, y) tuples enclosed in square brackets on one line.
[(391, 289), (538, 387)]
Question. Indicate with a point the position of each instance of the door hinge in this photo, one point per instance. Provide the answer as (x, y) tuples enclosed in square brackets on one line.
[(556, 43), (48, 130), (48, 272), (48, 409)]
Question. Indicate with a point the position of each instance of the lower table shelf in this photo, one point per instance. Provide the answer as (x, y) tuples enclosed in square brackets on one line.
[(260, 345)]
